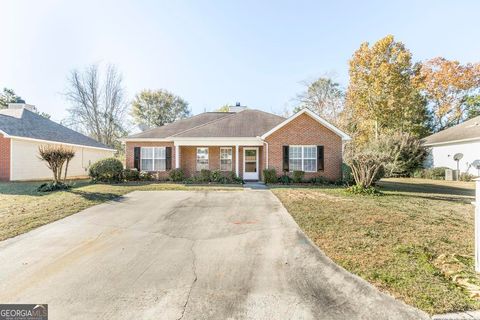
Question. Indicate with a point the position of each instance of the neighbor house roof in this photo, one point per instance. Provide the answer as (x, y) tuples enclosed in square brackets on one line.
[(465, 131), (23, 123)]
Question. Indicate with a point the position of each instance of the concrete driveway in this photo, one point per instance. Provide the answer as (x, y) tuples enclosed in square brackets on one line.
[(185, 255)]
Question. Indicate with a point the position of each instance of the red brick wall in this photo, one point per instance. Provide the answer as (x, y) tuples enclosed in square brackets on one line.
[(4, 158), (130, 154), (305, 130), (188, 161)]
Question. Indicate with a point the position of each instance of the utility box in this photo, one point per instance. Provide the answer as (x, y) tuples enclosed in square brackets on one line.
[(451, 175)]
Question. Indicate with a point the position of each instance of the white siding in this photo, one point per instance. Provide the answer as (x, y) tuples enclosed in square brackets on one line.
[(442, 156), (27, 166)]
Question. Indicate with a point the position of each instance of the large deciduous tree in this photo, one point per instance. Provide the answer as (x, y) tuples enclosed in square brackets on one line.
[(324, 97), (153, 108), (448, 87), (381, 95), (98, 103)]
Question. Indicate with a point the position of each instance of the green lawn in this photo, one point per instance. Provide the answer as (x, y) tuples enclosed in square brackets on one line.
[(415, 242), (22, 208)]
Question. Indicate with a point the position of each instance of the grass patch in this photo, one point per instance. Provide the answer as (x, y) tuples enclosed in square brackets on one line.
[(23, 208), (415, 242)]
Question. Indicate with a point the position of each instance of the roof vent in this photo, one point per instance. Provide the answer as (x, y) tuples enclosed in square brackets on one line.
[(237, 108), (20, 104)]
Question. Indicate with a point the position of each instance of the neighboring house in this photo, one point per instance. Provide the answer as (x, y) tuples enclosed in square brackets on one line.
[(463, 138), (244, 141), (22, 131)]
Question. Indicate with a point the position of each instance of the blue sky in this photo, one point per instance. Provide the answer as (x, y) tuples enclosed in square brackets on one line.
[(217, 52)]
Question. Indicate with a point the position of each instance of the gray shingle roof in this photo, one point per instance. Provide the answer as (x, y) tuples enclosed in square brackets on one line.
[(27, 124), (180, 125), (469, 129), (247, 123)]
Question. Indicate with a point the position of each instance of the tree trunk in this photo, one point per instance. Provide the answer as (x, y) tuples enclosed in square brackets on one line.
[(66, 169)]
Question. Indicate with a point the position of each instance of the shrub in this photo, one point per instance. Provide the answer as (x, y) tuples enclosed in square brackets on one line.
[(465, 176), (205, 175), (407, 154), (131, 175), (217, 176), (177, 175), (297, 176), (145, 176), (319, 181), (284, 179), (356, 189), (53, 186), (270, 175), (347, 176), (106, 170)]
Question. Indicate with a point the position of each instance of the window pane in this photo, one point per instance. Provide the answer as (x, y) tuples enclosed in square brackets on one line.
[(310, 165), (295, 153), (250, 155), (225, 153), (310, 152), (146, 153), (226, 165), (250, 167), (147, 165), (202, 158), (160, 164), (159, 153), (295, 164)]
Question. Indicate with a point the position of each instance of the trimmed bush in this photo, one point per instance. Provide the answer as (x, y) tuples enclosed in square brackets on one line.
[(205, 175), (145, 176), (285, 179), (465, 176), (319, 181), (270, 175), (297, 176), (53, 186), (217, 176), (177, 175), (106, 170), (432, 173), (347, 176), (369, 191), (131, 175)]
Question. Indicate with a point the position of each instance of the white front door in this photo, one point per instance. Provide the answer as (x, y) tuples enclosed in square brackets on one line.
[(250, 164)]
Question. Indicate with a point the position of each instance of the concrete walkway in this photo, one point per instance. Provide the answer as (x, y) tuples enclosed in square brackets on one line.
[(185, 255)]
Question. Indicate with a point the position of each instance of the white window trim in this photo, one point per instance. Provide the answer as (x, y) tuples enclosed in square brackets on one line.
[(208, 158), (231, 158), (303, 157), (153, 158)]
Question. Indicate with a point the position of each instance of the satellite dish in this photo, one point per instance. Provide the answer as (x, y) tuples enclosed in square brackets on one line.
[(458, 156), (476, 164)]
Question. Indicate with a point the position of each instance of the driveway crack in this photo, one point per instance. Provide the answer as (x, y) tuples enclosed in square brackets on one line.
[(195, 278)]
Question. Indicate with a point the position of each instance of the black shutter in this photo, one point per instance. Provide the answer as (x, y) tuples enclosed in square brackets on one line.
[(320, 161), (136, 158), (168, 158), (285, 158)]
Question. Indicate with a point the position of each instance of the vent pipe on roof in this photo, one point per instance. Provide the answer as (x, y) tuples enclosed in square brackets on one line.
[(237, 108)]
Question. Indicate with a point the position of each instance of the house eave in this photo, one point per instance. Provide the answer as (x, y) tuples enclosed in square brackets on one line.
[(451, 142)]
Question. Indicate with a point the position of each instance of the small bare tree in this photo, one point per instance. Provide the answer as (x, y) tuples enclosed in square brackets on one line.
[(56, 156)]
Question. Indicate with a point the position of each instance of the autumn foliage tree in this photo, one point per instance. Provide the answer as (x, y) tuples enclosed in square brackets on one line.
[(381, 95), (450, 89)]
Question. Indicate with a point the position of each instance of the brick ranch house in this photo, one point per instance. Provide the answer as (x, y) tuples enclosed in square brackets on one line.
[(244, 141)]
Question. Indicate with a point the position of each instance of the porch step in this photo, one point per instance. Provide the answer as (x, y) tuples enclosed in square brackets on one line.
[(255, 185)]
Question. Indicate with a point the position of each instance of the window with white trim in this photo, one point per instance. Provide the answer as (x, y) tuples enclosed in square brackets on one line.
[(202, 158), (225, 159), (302, 158), (153, 159)]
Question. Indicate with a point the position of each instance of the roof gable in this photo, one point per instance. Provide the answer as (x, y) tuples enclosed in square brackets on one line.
[(23, 123), (313, 115)]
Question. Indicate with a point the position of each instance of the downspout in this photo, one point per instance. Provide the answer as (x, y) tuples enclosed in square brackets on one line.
[(266, 152)]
